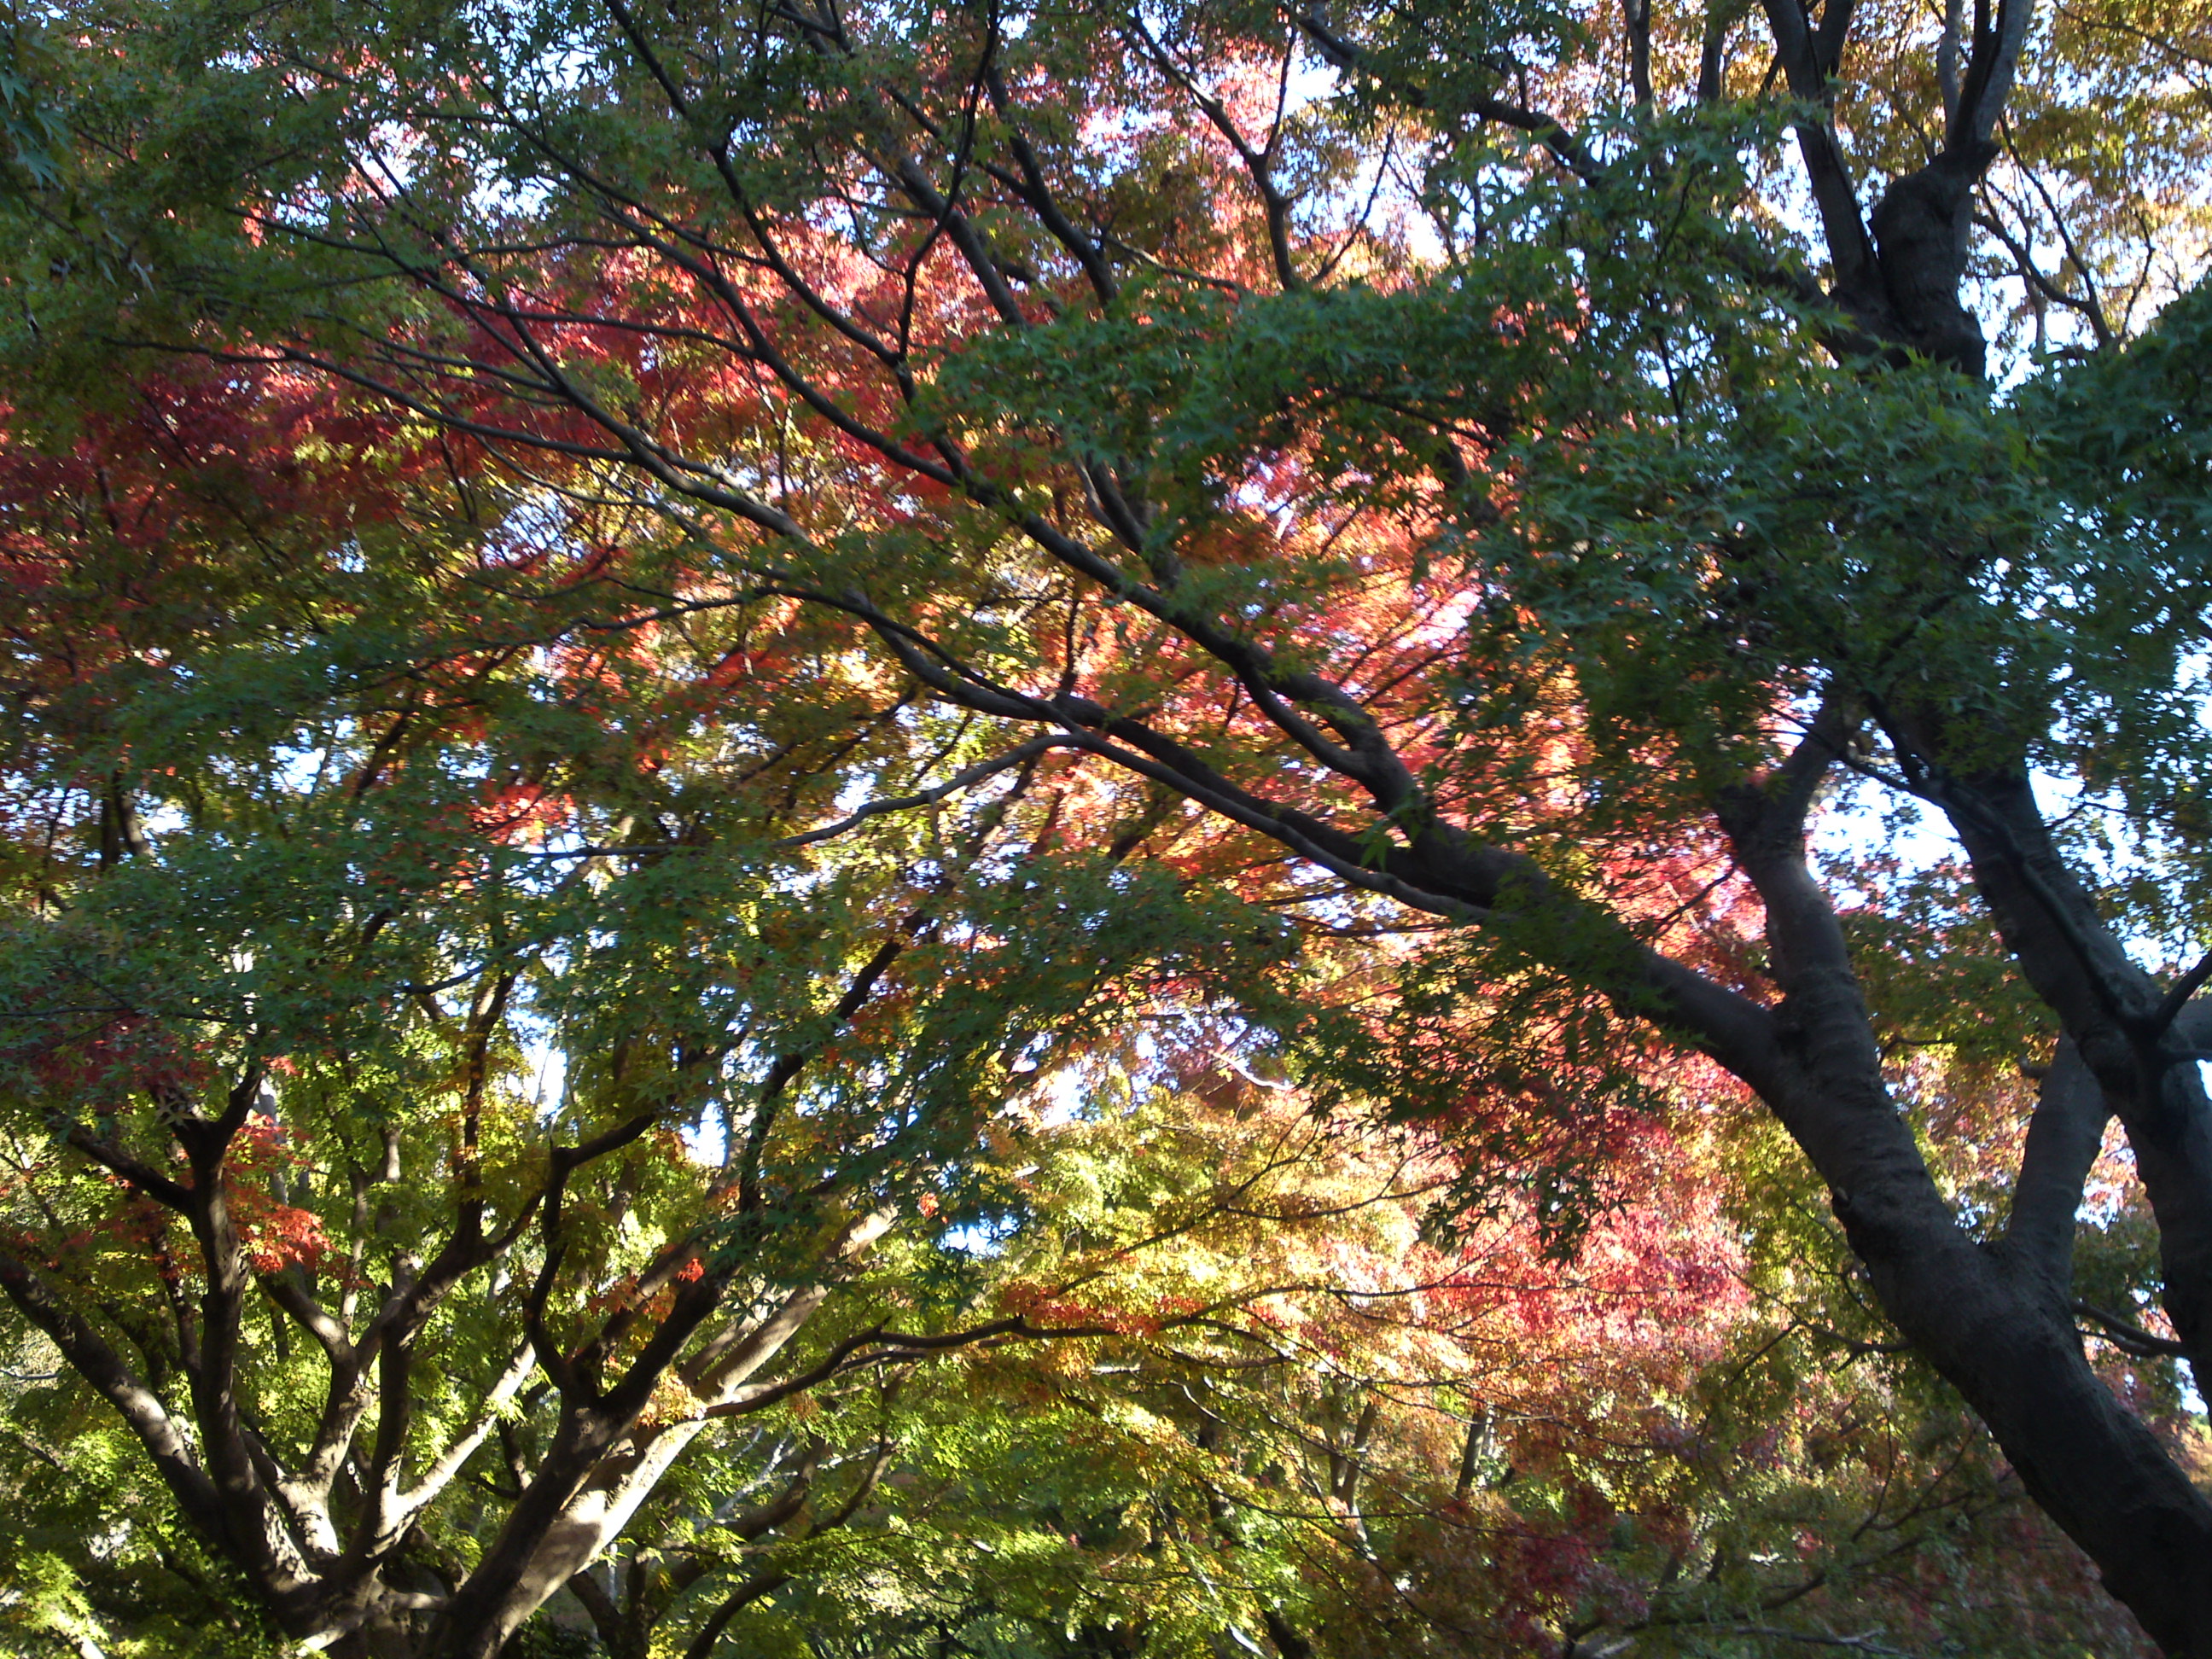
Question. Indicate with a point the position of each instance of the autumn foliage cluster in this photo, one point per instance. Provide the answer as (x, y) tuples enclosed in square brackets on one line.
[(904, 830)]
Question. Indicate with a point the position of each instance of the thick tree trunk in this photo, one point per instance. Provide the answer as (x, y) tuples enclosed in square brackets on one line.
[(1995, 1320), (1993, 1329)]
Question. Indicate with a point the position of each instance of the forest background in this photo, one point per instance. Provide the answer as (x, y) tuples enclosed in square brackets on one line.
[(1098, 831)]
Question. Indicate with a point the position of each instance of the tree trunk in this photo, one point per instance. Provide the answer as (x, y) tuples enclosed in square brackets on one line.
[(1995, 1320)]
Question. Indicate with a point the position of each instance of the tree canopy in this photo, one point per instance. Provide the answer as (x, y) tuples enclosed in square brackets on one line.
[(759, 751)]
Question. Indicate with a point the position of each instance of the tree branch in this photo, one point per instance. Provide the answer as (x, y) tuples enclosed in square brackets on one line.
[(2063, 1138)]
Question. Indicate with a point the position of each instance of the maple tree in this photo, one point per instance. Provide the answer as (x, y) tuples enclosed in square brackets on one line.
[(1370, 1444), (216, 803), (1345, 1439), (291, 906), (1500, 463), (1408, 1444)]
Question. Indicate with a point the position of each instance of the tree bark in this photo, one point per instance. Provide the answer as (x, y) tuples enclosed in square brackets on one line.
[(1995, 1320)]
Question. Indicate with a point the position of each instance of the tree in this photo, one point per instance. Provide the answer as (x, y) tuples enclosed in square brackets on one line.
[(1360, 1442), (1687, 1438), (1352, 1438), (357, 1122), (1463, 450)]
